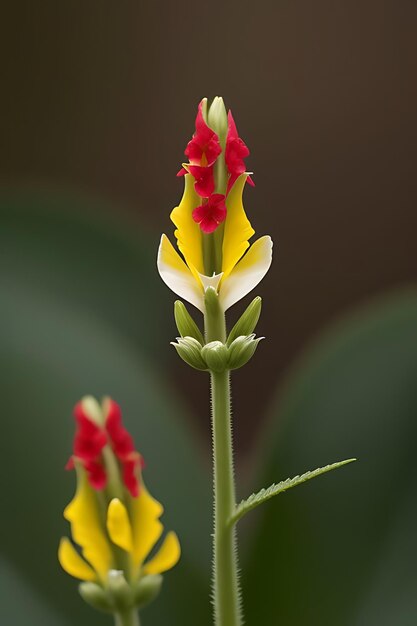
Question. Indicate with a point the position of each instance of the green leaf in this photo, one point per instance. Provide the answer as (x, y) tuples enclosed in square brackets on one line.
[(322, 555), (21, 605), (78, 251), (263, 495)]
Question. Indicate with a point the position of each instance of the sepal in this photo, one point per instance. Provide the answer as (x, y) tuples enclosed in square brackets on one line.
[(119, 595), (96, 597), (146, 590), (242, 350), (246, 324), (189, 349), (185, 323)]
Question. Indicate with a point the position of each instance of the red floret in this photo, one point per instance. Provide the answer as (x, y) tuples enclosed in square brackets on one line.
[(89, 441), (204, 179), (123, 447), (211, 214), (235, 153), (89, 438), (204, 147)]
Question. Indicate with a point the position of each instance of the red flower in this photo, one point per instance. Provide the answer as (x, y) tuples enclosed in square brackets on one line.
[(89, 438), (129, 474), (202, 151), (96, 473), (120, 439), (204, 179), (204, 147), (211, 214), (236, 151), (89, 441), (123, 447)]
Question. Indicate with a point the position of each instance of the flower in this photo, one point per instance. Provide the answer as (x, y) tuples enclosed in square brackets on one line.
[(112, 530), (91, 437), (202, 151), (211, 214), (213, 231), (236, 152)]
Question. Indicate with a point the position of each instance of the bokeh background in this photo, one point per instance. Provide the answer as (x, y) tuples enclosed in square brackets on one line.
[(98, 103)]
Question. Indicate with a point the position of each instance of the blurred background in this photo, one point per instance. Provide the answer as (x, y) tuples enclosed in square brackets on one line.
[(98, 103)]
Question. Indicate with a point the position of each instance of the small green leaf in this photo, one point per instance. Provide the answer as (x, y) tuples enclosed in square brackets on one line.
[(265, 494)]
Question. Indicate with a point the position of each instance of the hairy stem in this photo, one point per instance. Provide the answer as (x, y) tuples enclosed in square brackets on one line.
[(225, 570), (127, 618)]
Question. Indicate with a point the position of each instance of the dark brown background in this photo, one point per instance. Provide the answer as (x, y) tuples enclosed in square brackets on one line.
[(101, 96)]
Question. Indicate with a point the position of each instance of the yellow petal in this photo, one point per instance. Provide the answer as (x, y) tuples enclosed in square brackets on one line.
[(247, 273), (87, 527), (73, 563), (188, 233), (237, 228), (146, 527), (175, 273), (118, 525), (166, 557)]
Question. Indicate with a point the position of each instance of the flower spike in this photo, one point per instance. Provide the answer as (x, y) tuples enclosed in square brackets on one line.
[(125, 508), (216, 266), (212, 229)]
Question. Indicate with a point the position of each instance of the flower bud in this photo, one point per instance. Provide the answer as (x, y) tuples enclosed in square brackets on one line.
[(215, 355), (92, 410), (241, 351), (217, 119), (185, 323), (246, 324), (146, 590), (189, 349), (96, 597)]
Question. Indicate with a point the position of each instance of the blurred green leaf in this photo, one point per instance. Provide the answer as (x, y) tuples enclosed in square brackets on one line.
[(78, 250), (322, 555), (264, 495), (19, 602), (57, 344)]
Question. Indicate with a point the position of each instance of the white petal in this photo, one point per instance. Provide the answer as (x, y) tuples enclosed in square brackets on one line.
[(211, 281), (247, 273), (176, 274)]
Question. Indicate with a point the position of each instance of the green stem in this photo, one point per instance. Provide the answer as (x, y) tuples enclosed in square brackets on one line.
[(227, 609), (127, 618)]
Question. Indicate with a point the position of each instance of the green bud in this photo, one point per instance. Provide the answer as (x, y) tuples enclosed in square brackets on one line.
[(246, 324), (204, 109), (242, 350), (93, 409), (185, 323), (146, 590), (119, 590), (189, 349), (215, 355), (96, 597), (217, 119)]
